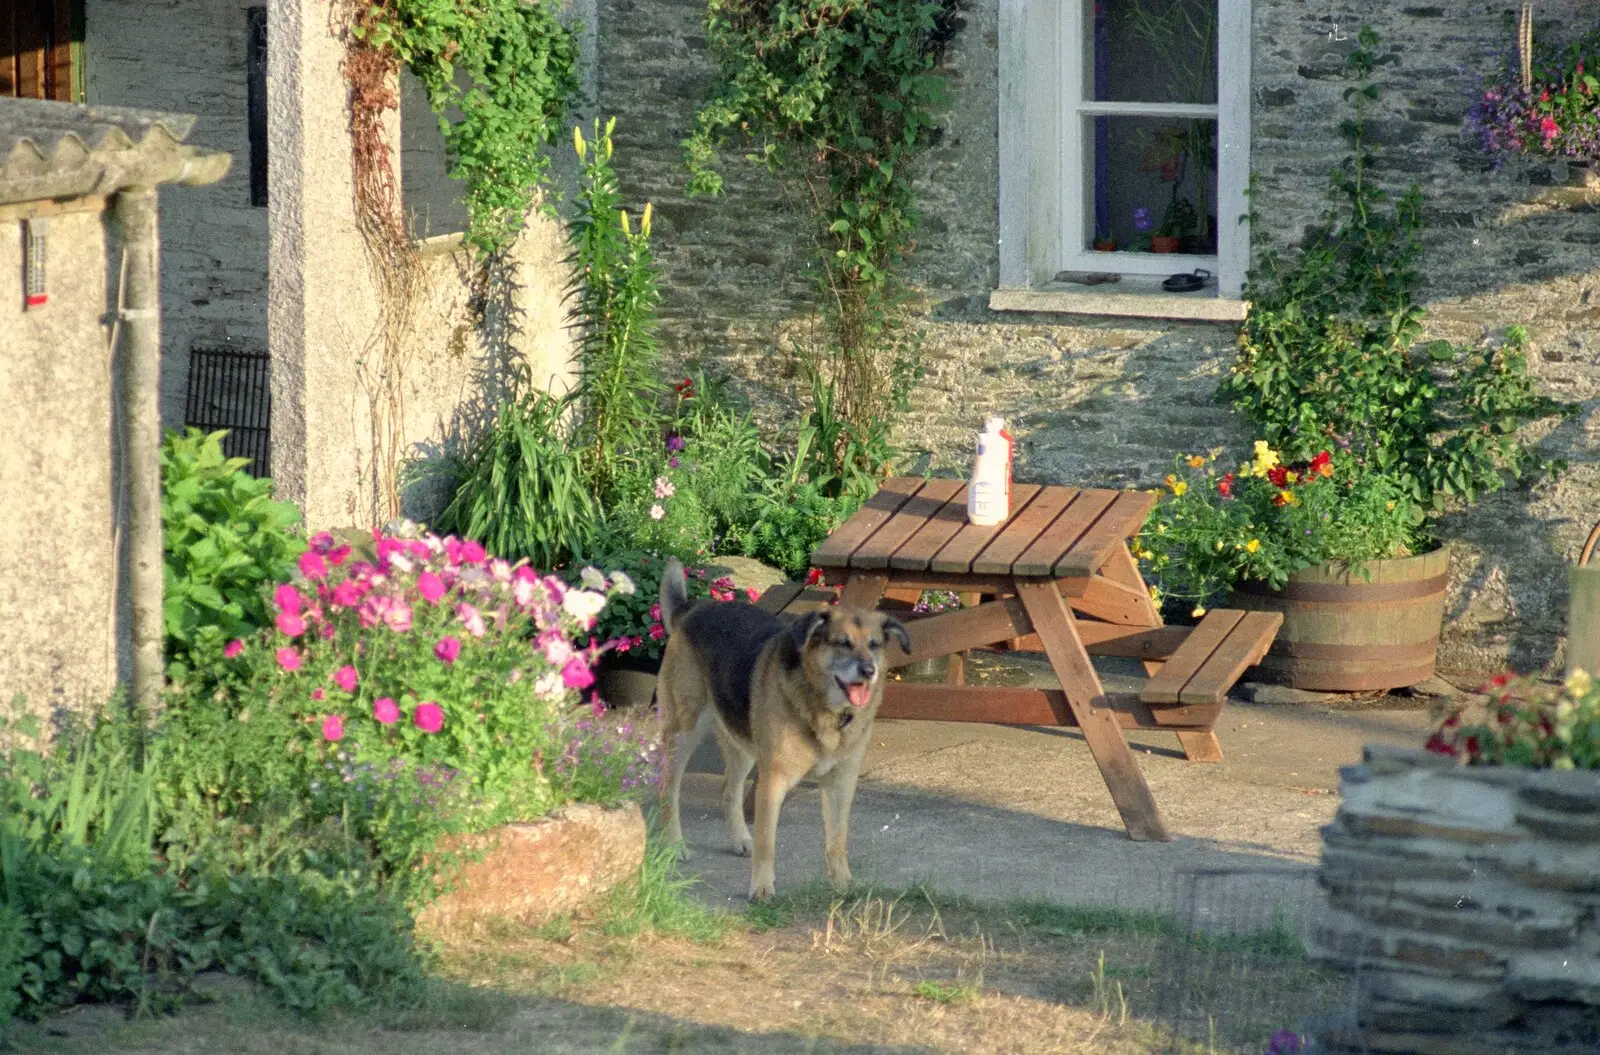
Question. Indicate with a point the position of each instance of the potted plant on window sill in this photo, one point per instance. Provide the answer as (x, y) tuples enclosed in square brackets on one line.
[(1331, 359), (1105, 242), (1178, 222)]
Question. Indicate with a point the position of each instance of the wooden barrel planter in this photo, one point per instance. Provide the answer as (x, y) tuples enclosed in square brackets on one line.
[(1354, 628), (627, 681)]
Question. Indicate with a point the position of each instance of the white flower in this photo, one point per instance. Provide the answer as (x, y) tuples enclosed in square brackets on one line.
[(656, 512), (500, 570), (549, 686), (557, 651), (583, 605), (593, 578), (1579, 682), (399, 563), (664, 488), (622, 584)]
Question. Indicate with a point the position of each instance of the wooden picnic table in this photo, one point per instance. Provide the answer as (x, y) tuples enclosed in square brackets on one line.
[(1057, 572)]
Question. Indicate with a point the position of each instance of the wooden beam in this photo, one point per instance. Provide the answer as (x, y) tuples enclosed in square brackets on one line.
[(1018, 706)]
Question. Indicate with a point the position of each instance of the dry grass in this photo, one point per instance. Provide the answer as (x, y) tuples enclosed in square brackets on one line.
[(896, 972)]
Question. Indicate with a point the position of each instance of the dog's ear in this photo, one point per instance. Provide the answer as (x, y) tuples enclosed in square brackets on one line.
[(894, 628), (806, 628)]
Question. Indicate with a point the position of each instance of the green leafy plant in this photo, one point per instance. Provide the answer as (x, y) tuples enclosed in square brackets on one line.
[(1330, 353), (633, 621), (1529, 724), (519, 488), (510, 68), (224, 539), (840, 99), (1267, 520), (614, 297)]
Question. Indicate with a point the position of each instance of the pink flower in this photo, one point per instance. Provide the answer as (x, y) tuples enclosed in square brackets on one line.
[(472, 619), (337, 557), (385, 711), (430, 586), (345, 678), (428, 717), (287, 598), (447, 649), (753, 594), (347, 594), (312, 566), (657, 631), (472, 553), (576, 674), (388, 547), (397, 617), (418, 549), (557, 649), (655, 612), (327, 631), (322, 541), (232, 649), (524, 591), (291, 624), (289, 659), (318, 695), (333, 728)]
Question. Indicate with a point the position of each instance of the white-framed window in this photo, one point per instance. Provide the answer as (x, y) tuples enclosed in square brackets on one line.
[(1124, 121)]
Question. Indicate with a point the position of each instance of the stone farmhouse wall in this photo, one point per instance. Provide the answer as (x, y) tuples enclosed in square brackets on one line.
[(1464, 900), (318, 318), (1112, 400)]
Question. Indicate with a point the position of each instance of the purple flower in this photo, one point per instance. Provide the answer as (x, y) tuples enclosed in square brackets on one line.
[(1285, 1042), (672, 462), (674, 443), (1141, 219)]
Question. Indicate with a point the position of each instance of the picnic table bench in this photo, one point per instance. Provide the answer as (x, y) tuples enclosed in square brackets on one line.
[(1057, 575)]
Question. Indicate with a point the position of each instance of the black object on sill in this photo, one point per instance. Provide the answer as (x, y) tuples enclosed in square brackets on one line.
[(1187, 283)]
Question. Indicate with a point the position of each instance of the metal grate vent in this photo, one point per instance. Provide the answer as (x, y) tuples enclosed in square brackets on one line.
[(231, 389)]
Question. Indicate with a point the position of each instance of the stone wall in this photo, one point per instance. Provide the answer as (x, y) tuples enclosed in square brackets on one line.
[(188, 57), (58, 613), (333, 441), (1465, 899), (1111, 401)]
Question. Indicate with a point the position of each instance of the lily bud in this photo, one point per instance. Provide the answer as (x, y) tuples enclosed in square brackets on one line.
[(644, 221), (624, 214), (577, 141)]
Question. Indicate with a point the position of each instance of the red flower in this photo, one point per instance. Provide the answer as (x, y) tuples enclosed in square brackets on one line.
[(813, 576), (1278, 475), (1500, 679), (684, 388), (1439, 746), (1321, 465), (1225, 486)]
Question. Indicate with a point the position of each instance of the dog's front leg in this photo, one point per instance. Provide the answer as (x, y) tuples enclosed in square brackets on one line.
[(736, 766), (838, 793), (772, 784)]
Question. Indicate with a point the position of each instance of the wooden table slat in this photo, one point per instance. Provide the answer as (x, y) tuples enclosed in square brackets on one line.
[(905, 523), (1020, 531), (836, 550), (958, 554), (1245, 644), (931, 537), (1119, 522), (1019, 706), (1203, 640), (1057, 540)]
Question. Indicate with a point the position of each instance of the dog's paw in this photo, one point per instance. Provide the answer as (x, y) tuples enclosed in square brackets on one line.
[(743, 847), (839, 880), (761, 889), (682, 851)]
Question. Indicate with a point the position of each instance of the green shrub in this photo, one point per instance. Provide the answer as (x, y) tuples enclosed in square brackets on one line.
[(225, 539), (519, 488), (12, 939), (1329, 356)]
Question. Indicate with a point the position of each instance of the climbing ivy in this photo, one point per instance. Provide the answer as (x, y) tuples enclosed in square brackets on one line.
[(841, 96), (520, 67)]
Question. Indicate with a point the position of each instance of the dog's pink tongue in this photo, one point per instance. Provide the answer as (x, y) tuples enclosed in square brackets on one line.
[(859, 693)]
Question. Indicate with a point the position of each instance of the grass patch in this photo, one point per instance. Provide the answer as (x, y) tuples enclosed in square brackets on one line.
[(942, 993), (660, 902)]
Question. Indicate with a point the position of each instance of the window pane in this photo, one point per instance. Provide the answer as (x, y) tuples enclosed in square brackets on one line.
[(1150, 177), (1151, 51)]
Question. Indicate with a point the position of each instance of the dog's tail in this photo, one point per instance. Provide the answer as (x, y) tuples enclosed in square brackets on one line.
[(674, 594)]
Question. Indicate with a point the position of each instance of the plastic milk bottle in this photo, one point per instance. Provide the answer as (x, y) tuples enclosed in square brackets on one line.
[(989, 491)]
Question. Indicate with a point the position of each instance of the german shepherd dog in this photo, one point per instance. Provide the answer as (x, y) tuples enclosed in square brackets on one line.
[(795, 700)]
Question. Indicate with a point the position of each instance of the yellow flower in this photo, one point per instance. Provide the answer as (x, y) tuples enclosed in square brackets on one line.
[(1196, 461), (1161, 529), (1219, 547), (1179, 487), (1579, 683), (1252, 546), (1292, 477), (1155, 595), (1198, 612), (1266, 458), (1563, 763), (1389, 505)]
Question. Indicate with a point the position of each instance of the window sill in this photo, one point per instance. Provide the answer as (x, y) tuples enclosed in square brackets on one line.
[(1133, 297)]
